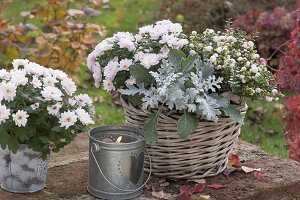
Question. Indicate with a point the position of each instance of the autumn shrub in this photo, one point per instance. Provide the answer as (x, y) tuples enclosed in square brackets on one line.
[(273, 27), (273, 23), (199, 15), (53, 33), (288, 78)]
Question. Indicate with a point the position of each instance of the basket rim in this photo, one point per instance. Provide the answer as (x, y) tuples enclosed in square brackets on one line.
[(125, 104)]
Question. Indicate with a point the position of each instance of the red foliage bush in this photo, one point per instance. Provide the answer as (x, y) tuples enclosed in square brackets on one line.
[(288, 77), (273, 28)]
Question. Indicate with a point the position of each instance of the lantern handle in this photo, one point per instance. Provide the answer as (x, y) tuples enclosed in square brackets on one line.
[(95, 147)]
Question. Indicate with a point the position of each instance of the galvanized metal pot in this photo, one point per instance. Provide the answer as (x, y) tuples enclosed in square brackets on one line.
[(23, 172), (116, 170)]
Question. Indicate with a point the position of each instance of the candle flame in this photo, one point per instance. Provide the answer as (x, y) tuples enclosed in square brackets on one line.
[(119, 139)]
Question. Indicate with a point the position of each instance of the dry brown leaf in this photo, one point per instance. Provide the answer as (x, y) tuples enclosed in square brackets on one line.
[(203, 197), (197, 180), (165, 184), (249, 169)]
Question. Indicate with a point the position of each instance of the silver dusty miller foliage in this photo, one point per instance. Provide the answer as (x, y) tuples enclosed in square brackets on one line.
[(192, 87)]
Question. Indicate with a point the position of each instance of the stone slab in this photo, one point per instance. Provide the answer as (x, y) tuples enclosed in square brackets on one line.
[(67, 178), (78, 151), (74, 152)]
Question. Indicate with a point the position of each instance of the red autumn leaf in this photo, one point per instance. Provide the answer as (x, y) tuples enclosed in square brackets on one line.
[(186, 189), (199, 187), (233, 160), (183, 196), (259, 175), (228, 170), (216, 186)]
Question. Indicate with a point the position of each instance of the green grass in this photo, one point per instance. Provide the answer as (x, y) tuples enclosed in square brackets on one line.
[(263, 127), (128, 15)]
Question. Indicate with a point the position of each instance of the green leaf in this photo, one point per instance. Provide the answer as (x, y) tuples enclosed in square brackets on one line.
[(151, 135), (4, 137), (21, 134), (186, 125), (142, 75), (136, 99), (121, 77), (175, 56), (234, 113), (57, 129), (13, 144), (44, 140), (188, 63), (34, 33)]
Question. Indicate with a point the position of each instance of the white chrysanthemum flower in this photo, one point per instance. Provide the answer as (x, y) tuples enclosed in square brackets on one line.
[(49, 80), (68, 119), (35, 106), (58, 74), (150, 59), (4, 74), (130, 81), (145, 29), (127, 44), (125, 64), (4, 114), (111, 69), (108, 85), (20, 118), (97, 74), (72, 102), (35, 69), (8, 91), (36, 83), (69, 86), (83, 100), (84, 117), (18, 78), (54, 109), (20, 62), (52, 93)]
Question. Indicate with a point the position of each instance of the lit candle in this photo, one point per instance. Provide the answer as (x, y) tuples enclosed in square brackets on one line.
[(119, 140)]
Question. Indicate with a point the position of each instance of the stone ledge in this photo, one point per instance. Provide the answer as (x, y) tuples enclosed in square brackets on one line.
[(78, 151), (67, 178)]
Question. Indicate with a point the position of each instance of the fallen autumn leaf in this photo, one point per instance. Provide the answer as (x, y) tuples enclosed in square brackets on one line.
[(233, 160), (216, 186), (259, 175), (228, 170), (249, 169), (203, 197)]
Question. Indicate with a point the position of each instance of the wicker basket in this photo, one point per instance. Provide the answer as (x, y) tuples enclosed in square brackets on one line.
[(203, 154)]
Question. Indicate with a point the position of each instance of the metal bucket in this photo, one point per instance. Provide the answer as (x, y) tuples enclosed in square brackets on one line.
[(116, 169)]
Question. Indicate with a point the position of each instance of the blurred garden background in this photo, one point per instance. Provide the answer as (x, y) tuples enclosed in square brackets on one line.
[(60, 34)]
